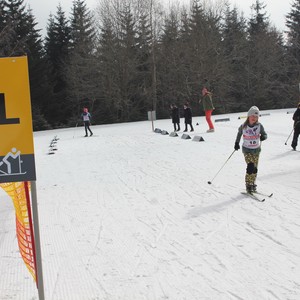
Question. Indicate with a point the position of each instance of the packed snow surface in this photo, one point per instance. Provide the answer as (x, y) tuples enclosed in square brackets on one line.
[(129, 214)]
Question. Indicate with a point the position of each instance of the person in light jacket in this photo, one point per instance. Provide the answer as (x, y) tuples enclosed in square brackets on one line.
[(86, 117)]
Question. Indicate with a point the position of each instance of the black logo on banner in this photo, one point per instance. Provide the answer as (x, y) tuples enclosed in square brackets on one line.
[(3, 119)]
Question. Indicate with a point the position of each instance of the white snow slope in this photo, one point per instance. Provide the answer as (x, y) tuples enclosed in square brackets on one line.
[(129, 214)]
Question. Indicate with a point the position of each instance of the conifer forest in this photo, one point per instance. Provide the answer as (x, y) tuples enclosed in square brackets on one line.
[(127, 57)]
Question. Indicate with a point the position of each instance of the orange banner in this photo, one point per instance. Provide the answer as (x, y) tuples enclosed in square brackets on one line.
[(19, 193)]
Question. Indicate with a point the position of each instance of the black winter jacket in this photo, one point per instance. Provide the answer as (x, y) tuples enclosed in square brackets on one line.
[(296, 118), (175, 115), (187, 115)]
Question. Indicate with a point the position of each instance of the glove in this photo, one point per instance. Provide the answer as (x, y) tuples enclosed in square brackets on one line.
[(262, 137), (236, 146)]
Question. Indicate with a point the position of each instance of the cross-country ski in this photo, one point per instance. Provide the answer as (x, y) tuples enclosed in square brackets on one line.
[(254, 196), (263, 194)]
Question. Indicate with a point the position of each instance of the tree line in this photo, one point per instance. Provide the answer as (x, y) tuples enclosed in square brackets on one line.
[(130, 56)]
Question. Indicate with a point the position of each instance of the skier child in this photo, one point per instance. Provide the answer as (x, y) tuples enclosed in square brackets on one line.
[(296, 118), (86, 117), (253, 133)]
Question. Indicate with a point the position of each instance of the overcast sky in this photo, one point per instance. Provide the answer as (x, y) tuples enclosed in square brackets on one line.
[(277, 9)]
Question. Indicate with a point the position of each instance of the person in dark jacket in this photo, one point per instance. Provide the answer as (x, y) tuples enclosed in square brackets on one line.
[(296, 118), (175, 116), (86, 117), (187, 117), (253, 134)]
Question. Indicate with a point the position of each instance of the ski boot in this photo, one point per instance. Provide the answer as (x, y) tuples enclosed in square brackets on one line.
[(249, 188), (254, 188)]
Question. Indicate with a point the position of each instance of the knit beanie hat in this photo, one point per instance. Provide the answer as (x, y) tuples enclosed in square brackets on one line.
[(253, 111)]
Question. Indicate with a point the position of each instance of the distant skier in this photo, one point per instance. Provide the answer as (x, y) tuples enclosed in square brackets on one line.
[(253, 133), (296, 118), (208, 106), (175, 116), (187, 117), (86, 117)]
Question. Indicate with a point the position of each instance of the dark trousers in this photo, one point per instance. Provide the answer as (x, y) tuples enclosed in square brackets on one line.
[(186, 126), (87, 127), (295, 137), (178, 126)]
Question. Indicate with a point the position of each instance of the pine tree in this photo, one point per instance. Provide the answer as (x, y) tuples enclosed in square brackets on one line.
[(259, 22), (39, 86), (128, 64), (82, 30), (57, 47), (22, 38), (171, 70), (143, 42), (143, 80), (107, 54), (82, 70), (206, 60), (2, 16), (235, 47), (7, 33), (21, 24), (185, 54), (257, 68), (293, 34), (58, 40), (293, 50), (265, 67)]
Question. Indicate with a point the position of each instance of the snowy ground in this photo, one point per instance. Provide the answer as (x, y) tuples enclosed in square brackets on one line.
[(128, 214)]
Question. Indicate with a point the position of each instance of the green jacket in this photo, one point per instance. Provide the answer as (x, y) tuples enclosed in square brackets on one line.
[(207, 102)]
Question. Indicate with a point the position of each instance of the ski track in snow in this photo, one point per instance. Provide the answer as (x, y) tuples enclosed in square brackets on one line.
[(128, 214)]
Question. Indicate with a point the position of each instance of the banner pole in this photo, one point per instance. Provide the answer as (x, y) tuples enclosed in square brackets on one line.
[(29, 210), (35, 216), (152, 119)]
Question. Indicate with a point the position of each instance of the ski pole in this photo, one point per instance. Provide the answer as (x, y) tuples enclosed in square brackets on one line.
[(209, 182), (288, 137)]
